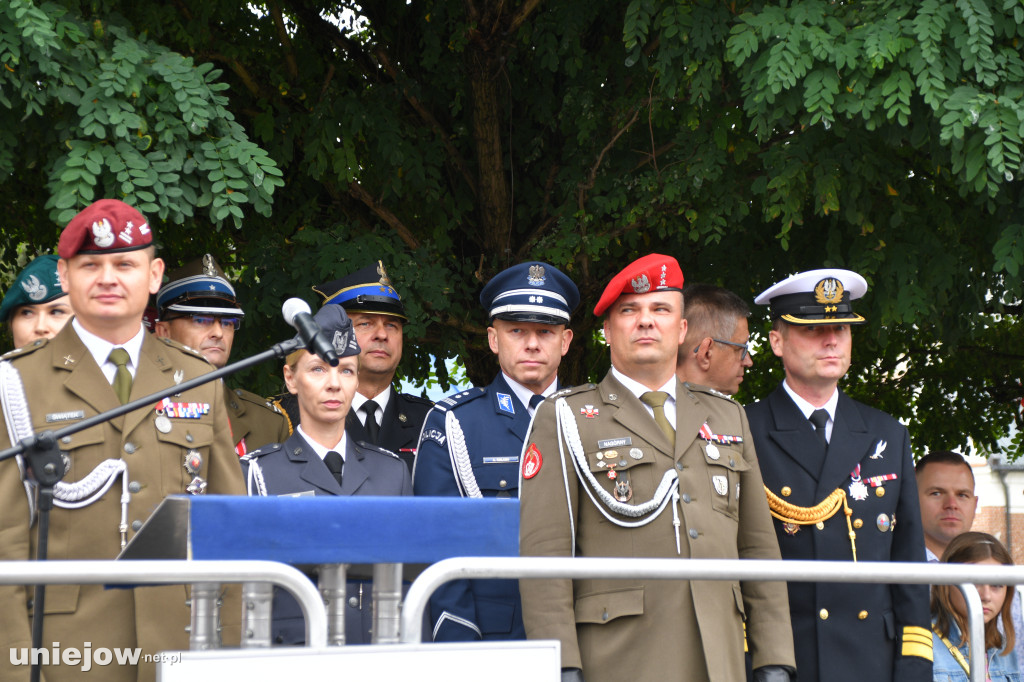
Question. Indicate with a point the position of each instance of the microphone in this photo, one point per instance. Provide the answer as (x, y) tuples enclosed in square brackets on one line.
[(296, 313)]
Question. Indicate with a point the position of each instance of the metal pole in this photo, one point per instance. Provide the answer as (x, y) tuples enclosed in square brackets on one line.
[(204, 632), (176, 572), (256, 614), (387, 602), (332, 591)]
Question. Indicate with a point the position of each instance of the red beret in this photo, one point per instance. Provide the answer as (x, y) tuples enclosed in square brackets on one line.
[(105, 226), (653, 272)]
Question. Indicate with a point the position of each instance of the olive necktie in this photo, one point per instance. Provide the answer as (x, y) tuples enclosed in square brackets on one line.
[(122, 377), (335, 463), (656, 399)]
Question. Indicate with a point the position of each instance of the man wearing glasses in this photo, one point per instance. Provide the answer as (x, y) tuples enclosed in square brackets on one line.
[(198, 308), (715, 352)]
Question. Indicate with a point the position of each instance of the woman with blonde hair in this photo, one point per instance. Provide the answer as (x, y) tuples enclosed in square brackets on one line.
[(949, 616)]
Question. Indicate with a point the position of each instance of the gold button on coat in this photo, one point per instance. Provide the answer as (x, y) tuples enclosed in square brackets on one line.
[(786, 491), (823, 614), (857, 523), (880, 491), (862, 615)]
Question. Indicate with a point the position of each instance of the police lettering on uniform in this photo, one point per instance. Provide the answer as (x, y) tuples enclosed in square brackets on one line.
[(320, 458), (471, 440), (839, 477), (641, 465), (35, 306), (102, 359), (198, 308)]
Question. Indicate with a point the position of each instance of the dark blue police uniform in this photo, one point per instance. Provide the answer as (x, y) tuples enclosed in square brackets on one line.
[(493, 423)]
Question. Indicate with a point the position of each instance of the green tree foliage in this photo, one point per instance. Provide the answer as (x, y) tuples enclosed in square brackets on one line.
[(452, 139)]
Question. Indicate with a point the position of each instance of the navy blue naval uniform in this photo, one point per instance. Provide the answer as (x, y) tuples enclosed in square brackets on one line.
[(858, 631), (494, 423), (293, 467)]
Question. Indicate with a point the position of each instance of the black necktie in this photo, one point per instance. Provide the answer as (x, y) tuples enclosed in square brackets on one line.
[(372, 429), (335, 463), (820, 418), (535, 400)]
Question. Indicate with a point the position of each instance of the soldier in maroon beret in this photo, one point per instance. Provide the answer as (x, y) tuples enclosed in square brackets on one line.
[(126, 466)]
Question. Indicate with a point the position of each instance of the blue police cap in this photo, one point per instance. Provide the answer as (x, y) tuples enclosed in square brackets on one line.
[(37, 283), (366, 291), (531, 292), (337, 327), (198, 287)]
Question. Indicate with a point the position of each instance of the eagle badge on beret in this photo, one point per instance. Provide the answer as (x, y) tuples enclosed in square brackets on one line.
[(641, 285)]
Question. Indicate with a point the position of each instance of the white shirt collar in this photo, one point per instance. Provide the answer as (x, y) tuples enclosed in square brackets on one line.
[(806, 408), (381, 399), (638, 389), (524, 394), (320, 450), (100, 349)]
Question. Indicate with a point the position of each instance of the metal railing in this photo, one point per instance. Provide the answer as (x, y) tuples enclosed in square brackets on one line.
[(203, 575), (964, 576)]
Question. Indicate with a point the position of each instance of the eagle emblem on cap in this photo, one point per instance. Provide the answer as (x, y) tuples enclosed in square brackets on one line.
[(641, 285), (209, 269), (829, 292), (35, 289), (383, 274), (535, 277), (102, 233)]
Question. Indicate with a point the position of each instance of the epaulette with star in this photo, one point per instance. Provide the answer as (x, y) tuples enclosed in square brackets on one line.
[(375, 448), (183, 348), (265, 450), (24, 350), (707, 390), (413, 398), (460, 398), (251, 397)]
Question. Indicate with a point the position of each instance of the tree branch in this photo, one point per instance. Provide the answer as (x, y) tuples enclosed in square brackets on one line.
[(286, 41), (357, 191)]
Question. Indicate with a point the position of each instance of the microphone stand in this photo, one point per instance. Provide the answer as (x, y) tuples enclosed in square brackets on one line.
[(42, 456)]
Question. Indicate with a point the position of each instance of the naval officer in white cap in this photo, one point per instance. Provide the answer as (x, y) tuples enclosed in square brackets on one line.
[(839, 477)]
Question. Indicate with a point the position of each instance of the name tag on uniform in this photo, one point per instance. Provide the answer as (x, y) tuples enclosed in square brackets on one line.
[(501, 460), (65, 416), (614, 443)]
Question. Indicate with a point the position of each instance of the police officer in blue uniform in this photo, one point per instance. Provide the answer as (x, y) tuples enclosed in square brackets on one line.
[(471, 441), (839, 477), (320, 458)]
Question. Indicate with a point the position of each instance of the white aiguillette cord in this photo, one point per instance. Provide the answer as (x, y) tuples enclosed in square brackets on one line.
[(66, 495)]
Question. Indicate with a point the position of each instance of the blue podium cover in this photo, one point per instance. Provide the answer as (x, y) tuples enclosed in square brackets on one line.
[(358, 530)]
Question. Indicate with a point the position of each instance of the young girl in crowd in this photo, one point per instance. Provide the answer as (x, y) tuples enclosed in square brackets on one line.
[(949, 616)]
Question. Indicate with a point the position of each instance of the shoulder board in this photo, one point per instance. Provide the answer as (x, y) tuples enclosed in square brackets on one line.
[(573, 389), (188, 350), (409, 397), (265, 450), (24, 350), (457, 399), (373, 448), (697, 388), (251, 397)]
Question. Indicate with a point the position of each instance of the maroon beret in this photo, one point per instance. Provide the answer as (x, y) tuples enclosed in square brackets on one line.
[(653, 272), (105, 226)]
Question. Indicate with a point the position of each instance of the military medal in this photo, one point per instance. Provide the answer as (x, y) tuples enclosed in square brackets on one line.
[(790, 528), (721, 485), (196, 487), (710, 436), (163, 424), (858, 490), (589, 411), (876, 481), (711, 451), (883, 522), (623, 491), (611, 471), (636, 453), (193, 462)]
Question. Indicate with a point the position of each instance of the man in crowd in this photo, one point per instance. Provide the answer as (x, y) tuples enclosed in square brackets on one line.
[(840, 482), (715, 353), (945, 489), (198, 308), (101, 360), (471, 441), (380, 415), (625, 451)]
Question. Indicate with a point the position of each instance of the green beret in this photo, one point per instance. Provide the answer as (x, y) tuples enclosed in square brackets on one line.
[(37, 283)]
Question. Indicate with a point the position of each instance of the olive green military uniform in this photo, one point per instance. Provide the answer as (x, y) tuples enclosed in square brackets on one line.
[(63, 384), (255, 421), (633, 629)]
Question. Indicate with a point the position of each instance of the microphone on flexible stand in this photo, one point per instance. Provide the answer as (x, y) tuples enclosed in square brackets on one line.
[(296, 313)]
